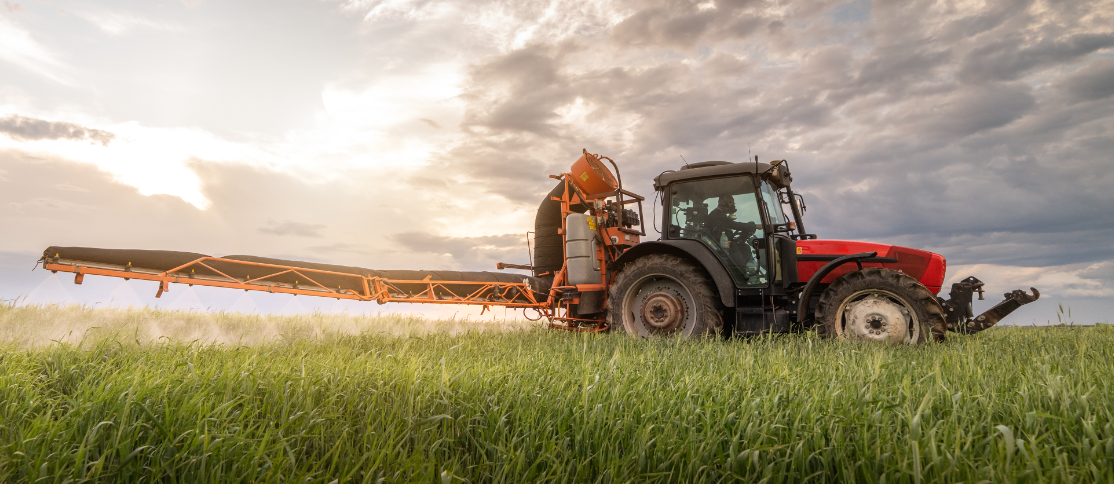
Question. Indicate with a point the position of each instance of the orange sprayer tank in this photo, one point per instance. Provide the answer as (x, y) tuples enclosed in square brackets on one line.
[(591, 176)]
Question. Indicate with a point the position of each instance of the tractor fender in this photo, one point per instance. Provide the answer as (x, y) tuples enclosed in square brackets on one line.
[(686, 249), (806, 294)]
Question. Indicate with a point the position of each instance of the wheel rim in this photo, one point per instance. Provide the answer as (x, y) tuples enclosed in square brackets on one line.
[(658, 305), (879, 316)]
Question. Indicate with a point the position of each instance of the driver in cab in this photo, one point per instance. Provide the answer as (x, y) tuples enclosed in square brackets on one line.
[(723, 227)]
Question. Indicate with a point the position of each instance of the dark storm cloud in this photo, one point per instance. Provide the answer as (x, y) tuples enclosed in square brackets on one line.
[(1092, 82), (1004, 60), (663, 26), (30, 129), (528, 86), (1041, 249), (512, 168), (688, 24), (969, 110), (896, 68), (515, 97)]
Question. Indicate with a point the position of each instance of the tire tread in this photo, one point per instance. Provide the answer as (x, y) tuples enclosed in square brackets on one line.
[(932, 318), (694, 278)]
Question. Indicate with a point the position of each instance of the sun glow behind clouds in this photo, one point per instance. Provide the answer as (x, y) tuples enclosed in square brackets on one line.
[(396, 122), (153, 160), (116, 23), (397, 117), (402, 118), (19, 48), (399, 120)]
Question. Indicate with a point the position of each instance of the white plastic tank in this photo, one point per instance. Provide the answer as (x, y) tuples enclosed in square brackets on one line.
[(581, 243)]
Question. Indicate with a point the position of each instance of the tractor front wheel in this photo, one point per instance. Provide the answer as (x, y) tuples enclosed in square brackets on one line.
[(880, 305), (663, 295)]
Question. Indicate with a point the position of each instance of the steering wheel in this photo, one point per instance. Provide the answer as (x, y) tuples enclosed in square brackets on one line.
[(739, 240), (736, 237), (744, 247)]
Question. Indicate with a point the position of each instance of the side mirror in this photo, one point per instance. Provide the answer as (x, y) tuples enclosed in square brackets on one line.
[(778, 174)]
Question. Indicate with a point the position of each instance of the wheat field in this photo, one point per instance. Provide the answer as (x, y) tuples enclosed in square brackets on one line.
[(143, 396)]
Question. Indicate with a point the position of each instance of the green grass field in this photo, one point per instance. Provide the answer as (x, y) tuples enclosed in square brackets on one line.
[(335, 399)]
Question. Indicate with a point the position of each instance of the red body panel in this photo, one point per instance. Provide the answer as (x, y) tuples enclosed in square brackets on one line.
[(924, 266)]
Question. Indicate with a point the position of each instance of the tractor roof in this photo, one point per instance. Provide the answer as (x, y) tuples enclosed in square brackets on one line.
[(707, 169)]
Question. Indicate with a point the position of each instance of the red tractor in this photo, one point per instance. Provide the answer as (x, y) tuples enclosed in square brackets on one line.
[(733, 258)]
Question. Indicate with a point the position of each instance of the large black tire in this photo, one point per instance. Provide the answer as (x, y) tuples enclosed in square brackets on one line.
[(664, 295), (880, 305)]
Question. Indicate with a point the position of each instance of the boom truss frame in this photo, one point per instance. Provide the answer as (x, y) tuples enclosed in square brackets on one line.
[(379, 289)]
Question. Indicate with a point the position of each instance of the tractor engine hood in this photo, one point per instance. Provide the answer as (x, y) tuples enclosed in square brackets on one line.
[(926, 267)]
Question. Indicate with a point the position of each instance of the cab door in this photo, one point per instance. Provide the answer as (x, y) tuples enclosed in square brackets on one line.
[(724, 214)]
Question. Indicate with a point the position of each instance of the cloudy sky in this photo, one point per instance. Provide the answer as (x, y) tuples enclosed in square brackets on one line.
[(418, 133)]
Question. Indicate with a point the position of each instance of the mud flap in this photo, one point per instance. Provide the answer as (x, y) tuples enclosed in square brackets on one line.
[(958, 312)]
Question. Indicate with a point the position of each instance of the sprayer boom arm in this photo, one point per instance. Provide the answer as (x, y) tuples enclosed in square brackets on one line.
[(214, 272)]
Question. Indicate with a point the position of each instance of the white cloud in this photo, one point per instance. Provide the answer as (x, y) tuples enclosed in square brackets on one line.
[(383, 125), (513, 25), (587, 119), (375, 10), (1066, 281), (154, 160), (19, 48), (116, 23)]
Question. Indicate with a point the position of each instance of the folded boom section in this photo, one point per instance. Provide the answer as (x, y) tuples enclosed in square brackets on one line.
[(296, 277)]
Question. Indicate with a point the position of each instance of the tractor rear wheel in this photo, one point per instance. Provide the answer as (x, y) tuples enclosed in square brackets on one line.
[(880, 305), (664, 295)]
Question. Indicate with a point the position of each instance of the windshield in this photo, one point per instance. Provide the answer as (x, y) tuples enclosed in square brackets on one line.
[(773, 205), (722, 213)]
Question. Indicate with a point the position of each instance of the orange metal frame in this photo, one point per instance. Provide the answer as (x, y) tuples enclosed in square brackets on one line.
[(607, 250), (376, 289)]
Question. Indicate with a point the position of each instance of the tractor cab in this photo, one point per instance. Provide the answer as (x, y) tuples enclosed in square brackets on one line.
[(730, 215), (735, 211)]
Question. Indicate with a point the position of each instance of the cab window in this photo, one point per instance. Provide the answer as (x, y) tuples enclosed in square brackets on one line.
[(723, 213)]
